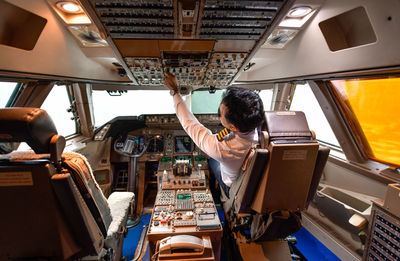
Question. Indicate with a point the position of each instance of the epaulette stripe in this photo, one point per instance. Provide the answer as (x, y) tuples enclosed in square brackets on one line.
[(221, 135)]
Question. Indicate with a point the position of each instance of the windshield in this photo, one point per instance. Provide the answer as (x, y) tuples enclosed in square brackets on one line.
[(205, 102), (130, 103), (137, 102)]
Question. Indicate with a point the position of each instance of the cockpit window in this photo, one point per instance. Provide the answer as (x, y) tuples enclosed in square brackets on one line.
[(131, 103), (203, 101), (6, 93), (371, 107), (56, 104), (304, 100), (266, 97)]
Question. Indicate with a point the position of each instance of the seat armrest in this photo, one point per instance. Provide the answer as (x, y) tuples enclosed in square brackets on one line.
[(119, 205)]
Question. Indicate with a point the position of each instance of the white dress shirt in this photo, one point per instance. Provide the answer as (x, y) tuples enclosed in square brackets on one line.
[(230, 152)]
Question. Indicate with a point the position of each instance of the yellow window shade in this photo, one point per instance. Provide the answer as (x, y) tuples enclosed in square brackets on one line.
[(372, 110)]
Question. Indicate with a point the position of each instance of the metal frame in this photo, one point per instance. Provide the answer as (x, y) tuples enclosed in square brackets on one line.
[(335, 117)]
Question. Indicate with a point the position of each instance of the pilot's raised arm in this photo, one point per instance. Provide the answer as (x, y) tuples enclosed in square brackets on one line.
[(241, 111)]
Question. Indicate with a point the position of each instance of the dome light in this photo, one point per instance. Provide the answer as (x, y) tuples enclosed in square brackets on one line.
[(299, 11), (69, 7)]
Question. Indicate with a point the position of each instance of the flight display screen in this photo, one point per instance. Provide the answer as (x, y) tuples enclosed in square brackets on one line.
[(184, 196), (183, 144)]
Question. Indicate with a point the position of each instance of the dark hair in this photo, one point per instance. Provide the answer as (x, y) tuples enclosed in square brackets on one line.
[(245, 108)]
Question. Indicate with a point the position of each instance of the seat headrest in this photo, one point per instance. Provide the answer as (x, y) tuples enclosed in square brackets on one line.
[(31, 125), (287, 125)]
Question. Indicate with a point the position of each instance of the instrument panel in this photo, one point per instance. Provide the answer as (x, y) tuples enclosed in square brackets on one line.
[(156, 144), (178, 170), (163, 136)]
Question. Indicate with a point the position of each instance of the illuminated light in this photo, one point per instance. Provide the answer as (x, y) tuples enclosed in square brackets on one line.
[(299, 11), (69, 7), (70, 12), (295, 22)]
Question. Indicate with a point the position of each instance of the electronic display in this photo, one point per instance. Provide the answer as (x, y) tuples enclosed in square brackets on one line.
[(183, 144), (156, 144), (184, 196)]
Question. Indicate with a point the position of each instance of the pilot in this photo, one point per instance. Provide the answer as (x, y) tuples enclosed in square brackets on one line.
[(241, 111)]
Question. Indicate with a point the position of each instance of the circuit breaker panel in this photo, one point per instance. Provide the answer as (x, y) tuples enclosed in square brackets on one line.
[(384, 235), (203, 42)]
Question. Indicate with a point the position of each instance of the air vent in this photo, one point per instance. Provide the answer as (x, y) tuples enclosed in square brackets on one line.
[(280, 38), (87, 35)]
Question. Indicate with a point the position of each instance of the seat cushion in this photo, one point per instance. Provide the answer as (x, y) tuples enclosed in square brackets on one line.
[(119, 203)]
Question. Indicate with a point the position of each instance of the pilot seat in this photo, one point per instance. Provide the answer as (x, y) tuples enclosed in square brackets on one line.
[(278, 180), (52, 206)]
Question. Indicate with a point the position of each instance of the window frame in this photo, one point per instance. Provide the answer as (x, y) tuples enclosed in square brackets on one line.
[(333, 114), (71, 100), (355, 156), (74, 112), (325, 143), (354, 124)]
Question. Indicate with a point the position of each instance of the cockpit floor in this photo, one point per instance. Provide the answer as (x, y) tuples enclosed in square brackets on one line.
[(311, 248), (307, 244), (132, 239)]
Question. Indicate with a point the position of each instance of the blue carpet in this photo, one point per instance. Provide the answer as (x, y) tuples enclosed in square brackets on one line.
[(132, 239), (311, 248)]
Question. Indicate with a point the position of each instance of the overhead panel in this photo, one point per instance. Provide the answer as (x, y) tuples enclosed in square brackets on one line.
[(203, 42)]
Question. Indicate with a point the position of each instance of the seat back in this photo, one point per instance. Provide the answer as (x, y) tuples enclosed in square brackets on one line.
[(45, 214), (33, 225), (281, 174)]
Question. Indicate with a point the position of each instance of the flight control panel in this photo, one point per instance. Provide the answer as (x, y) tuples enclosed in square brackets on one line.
[(183, 203)]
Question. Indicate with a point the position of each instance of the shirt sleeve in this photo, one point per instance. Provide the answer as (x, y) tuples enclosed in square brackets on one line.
[(200, 135)]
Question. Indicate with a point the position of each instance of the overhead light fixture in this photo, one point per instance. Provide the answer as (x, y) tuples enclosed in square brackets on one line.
[(71, 12), (69, 7), (290, 25), (296, 22), (299, 11)]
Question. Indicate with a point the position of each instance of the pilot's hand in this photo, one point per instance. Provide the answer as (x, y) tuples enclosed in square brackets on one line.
[(171, 81)]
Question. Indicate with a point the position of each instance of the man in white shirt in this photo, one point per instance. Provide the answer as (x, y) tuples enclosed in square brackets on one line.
[(241, 111)]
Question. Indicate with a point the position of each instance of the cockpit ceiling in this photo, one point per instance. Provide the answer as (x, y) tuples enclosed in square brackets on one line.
[(203, 42)]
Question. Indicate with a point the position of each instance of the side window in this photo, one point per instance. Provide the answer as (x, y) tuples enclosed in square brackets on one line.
[(6, 92), (371, 108), (304, 100), (266, 97), (56, 105)]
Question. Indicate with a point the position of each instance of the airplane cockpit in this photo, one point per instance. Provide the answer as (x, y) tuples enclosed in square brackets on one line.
[(95, 163)]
